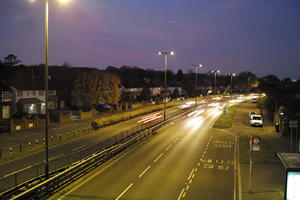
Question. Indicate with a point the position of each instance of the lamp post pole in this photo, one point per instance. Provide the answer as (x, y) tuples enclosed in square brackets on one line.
[(46, 89), (165, 86), (215, 77), (165, 54), (46, 84), (196, 82), (231, 80)]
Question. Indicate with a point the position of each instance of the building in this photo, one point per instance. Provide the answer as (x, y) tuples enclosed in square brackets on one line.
[(6, 101)]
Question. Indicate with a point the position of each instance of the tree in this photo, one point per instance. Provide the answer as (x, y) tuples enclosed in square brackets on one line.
[(95, 87), (179, 76), (11, 60)]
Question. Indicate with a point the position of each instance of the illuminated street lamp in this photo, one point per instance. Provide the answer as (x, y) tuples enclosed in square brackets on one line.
[(196, 78), (215, 72), (165, 54), (231, 77), (46, 83)]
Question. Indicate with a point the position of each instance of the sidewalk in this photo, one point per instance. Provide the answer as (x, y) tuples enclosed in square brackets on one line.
[(268, 172)]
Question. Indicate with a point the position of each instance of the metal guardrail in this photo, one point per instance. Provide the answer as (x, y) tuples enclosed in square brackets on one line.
[(39, 188)]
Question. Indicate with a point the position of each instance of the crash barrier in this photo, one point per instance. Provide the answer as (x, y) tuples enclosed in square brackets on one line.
[(114, 144)]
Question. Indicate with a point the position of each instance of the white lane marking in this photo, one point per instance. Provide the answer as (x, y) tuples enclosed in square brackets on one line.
[(89, 178), (191, 173), (234, 181), (144, 171), (52, 158), (168, 147), (158, 157), (179, 197), (131, 184), (79, 148), (187, 187), (239, 172), (12, 173)]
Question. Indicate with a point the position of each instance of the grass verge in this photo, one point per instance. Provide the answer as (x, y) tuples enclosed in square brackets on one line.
[(226, 119)]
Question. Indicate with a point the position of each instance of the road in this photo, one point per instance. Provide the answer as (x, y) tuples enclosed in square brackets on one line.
[(74, 145), (185, 160)]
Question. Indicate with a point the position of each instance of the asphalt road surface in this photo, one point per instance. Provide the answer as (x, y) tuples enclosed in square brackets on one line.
[(185, 160), (78, 144)]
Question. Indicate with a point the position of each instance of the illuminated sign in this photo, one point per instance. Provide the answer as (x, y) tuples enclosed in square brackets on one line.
[(293, 185)]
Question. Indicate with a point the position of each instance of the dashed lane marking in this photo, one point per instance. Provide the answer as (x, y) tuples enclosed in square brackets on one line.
[(144, 171), (124, 191), (158, 157)]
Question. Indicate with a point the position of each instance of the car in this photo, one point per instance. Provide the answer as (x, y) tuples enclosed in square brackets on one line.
[(251, 113), (256, 120)]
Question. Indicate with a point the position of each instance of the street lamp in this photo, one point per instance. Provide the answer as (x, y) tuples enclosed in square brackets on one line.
[(46, 84), (215, 72), (231, 77), (165, 54), (196, 85)]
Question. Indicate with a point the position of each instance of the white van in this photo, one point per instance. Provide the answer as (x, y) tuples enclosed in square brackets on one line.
[(256, 120)]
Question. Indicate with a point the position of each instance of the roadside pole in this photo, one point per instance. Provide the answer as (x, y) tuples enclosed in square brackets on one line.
[(291, 140), (254, 146), (250, 165), (293, 124)]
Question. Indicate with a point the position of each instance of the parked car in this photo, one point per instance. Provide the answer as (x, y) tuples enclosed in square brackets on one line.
[(251, 113), (256, 120)]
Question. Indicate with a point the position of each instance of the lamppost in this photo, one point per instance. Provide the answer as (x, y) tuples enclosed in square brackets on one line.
[(215, 72), (231, 78), (196, 78), (46, 84), (165, 54)]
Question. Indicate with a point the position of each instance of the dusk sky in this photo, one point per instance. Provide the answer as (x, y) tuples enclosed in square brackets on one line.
[(261, 36)]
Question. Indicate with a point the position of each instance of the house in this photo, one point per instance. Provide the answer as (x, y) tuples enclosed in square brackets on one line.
[(32, 99), (6, 101)]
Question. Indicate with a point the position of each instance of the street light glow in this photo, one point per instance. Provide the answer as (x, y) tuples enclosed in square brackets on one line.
[(63, 1), (172, 53)]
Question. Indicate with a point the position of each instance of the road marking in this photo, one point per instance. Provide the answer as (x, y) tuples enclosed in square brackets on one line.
[(131, 184), (144, 171), (52, 158), (12, 173), (79, 147), (91, 177), (168, 147), (187, 187), (191, 174), (159, 157), (239, 172), (234, 181), (181, 193)]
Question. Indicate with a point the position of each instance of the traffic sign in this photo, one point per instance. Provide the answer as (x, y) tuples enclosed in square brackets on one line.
[(255, 143), (293, 124)]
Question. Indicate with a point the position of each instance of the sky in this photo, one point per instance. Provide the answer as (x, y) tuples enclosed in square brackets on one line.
[(261, 36)]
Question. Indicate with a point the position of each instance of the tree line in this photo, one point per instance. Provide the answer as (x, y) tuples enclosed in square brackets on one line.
[(85, 87)]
